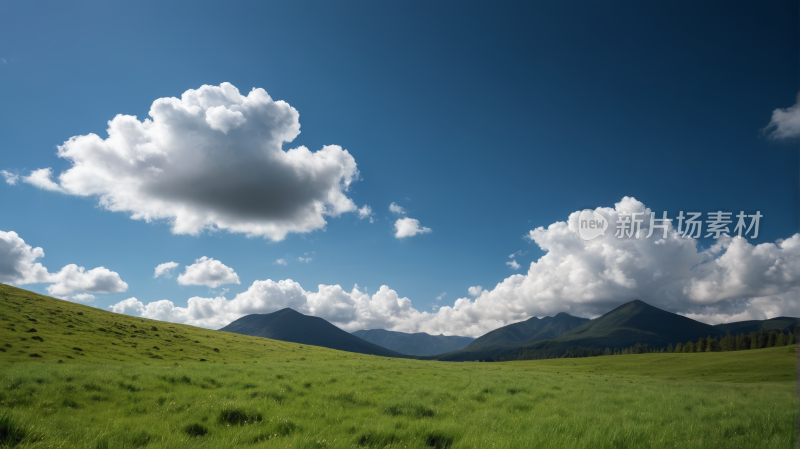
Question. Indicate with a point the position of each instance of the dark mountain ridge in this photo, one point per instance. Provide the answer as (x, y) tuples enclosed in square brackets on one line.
[(631, 323), (419, 343), (290, 325), (781, 323), (528, 331)]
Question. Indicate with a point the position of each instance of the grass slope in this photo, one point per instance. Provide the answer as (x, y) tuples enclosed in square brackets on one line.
[(43, 329), (292, 326), (263, 393), (418, 343)]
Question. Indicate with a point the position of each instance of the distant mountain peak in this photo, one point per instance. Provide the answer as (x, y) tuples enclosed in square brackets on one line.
[(417, 343), (290, 325)]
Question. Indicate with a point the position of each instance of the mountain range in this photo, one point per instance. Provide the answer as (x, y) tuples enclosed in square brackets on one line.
[(625, 326), (418, 343), (631, 323)]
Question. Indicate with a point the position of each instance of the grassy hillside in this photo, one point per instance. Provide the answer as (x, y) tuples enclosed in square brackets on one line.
[(41, 329), (292, 326), (263, 393)]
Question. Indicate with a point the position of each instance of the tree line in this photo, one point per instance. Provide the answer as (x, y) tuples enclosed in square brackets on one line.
[(754, 340)]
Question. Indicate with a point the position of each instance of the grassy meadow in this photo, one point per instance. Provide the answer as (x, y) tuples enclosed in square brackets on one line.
[(96, 379)]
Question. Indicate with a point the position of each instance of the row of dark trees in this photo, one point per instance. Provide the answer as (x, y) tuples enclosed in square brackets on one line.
[(754, 340)]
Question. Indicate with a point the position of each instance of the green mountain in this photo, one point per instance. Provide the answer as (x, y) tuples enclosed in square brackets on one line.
[(418, 343), (528, 331), (292, 326), (781, 323), (638, 322), (628, 324)]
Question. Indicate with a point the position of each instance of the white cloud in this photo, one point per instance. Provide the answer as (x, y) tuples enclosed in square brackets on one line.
[(209, 272), (129, 306), (735, 280), (439, 298), (17, 266), (11, 178), (41, 179), (408, 227), (306, 260), (280, 262), (513, 264), (73, 278), (785, 123), (365, 212), (397, 209), (211, 160), (165, 269), (83, 297)]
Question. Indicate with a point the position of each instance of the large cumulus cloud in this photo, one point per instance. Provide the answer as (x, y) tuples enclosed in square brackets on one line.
[(212, 159), (732, 280), (18, 266)]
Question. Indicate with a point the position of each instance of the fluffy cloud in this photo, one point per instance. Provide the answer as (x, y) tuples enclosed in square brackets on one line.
[(397, 209), (365, 212), (306, 260), (18, 266), (165, 269), (513, 264), (785, 123), (73, 278), (439, 298), (41, 179), (11, 178), (731, 281), (17, 258), (213, 159), (408, 227), (279, 262), (129, 306), (209, 272)]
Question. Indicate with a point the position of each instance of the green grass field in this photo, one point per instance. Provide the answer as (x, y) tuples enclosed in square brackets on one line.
[(103, 383)]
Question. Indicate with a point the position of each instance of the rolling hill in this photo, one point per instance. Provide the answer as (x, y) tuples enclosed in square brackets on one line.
[(418, 343), (77, 376), (39, 328), (292, 326)]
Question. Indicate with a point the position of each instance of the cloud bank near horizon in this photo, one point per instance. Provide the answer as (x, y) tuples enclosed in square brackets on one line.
[(18, 266), (731, 281), (211, 160)]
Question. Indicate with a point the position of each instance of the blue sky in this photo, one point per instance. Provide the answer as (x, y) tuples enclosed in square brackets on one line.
[(482, 120)]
